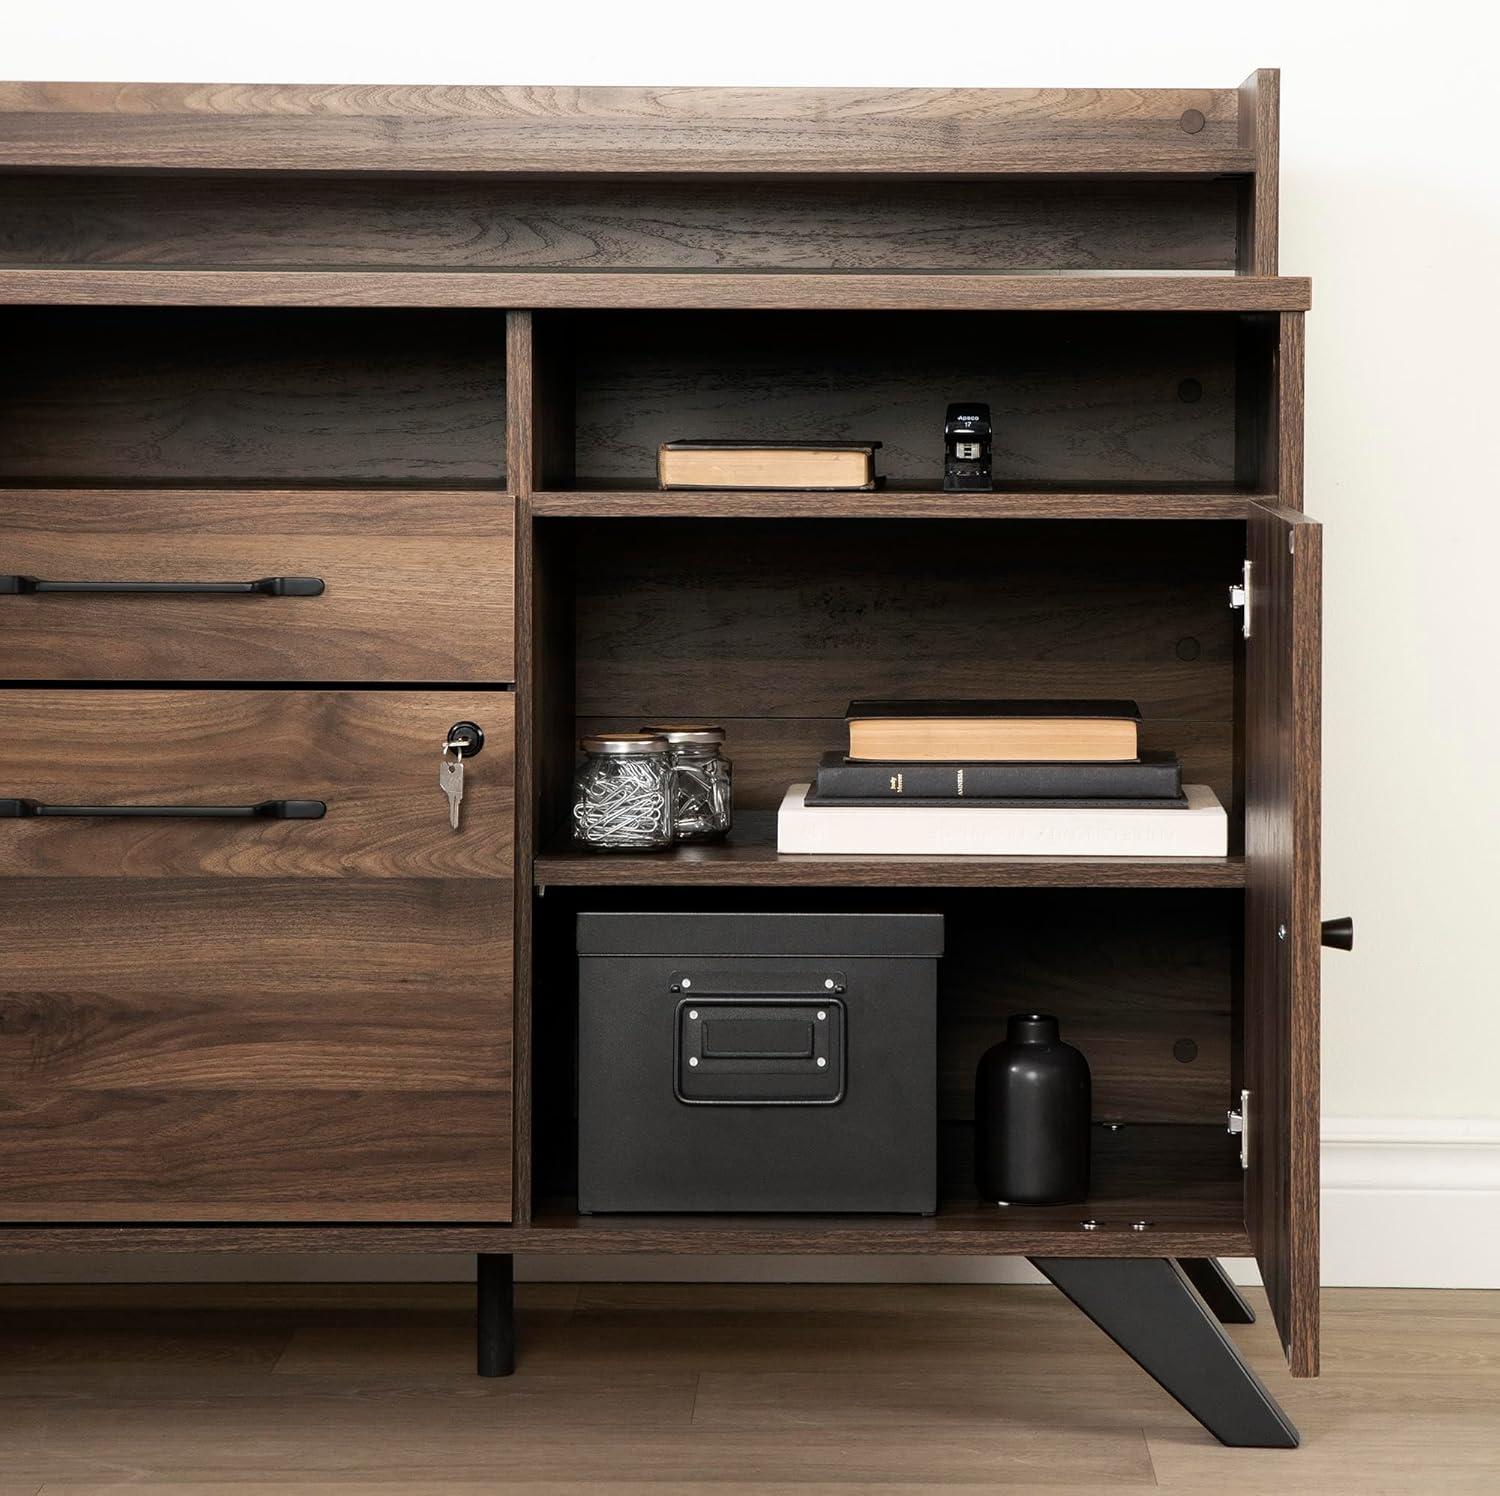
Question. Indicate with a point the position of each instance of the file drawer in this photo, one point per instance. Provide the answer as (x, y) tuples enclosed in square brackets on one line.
[(371, 757), (255, 1050), (252, 1018), (367, 585)]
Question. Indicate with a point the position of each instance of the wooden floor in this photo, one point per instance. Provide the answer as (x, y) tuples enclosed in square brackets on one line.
[(678, 1389)]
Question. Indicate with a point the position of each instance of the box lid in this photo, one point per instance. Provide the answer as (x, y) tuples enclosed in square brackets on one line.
[(622, 933)]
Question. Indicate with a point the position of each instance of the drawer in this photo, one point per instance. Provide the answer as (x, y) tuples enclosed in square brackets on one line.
[(275, 1050), (371, 757), (415, 585)]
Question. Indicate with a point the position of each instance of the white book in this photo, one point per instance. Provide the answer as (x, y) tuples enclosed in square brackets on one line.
[(1200, 830)]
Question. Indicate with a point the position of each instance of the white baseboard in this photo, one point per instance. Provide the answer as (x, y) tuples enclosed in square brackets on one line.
[(1411, 1204), (1406, 1204)]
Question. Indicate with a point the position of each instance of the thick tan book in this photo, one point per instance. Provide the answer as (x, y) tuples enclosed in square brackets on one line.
[(993, 731), (745, 464)]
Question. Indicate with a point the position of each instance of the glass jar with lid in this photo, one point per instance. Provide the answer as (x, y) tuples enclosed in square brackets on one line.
[(702, 780), (622, 793)]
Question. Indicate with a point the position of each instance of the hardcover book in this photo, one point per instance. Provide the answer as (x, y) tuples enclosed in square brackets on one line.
[(1201, 830), (971, 731), (766, 464), (1152, 776)]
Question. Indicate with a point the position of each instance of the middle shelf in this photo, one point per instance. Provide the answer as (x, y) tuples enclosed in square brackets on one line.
[(749, 859)]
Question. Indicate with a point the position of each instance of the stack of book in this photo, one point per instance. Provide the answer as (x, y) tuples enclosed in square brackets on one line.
[(1000, 778)]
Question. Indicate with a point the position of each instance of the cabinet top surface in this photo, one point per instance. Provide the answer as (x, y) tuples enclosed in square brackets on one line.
[(671, 130)]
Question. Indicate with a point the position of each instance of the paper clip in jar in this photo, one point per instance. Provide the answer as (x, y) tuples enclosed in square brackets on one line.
[(702, 780), (622, 793)]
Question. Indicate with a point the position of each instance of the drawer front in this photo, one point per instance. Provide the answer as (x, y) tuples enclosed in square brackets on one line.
[(278, 1050), (371, 757), (416, 586)]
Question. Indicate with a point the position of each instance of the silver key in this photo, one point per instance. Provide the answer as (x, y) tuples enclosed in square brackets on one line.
[(451, 782)]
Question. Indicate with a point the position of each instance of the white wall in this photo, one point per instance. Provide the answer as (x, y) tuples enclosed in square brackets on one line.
[(1390, 202)]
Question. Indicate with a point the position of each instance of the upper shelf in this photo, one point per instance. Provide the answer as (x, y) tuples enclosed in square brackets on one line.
[(512, 131), (896, 502), (828, 290)]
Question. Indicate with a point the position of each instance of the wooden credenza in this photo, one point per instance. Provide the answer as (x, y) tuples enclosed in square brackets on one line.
[(420, 345)]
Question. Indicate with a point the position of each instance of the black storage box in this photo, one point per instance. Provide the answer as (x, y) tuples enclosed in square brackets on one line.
[(758, 1062)]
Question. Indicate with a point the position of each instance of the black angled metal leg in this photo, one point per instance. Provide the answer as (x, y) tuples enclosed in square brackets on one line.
[(1147, 1307), (1213, 1284), (497, 1314)]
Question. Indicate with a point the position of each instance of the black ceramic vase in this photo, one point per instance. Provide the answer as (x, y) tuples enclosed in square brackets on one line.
[(1032, 1102)]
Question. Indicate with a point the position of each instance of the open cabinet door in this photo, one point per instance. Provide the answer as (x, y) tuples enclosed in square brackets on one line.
[(1282, 917)]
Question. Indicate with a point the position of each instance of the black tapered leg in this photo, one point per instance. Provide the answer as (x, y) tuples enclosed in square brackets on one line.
[(497, 1314), (1213, 1284), (1147, 1307)]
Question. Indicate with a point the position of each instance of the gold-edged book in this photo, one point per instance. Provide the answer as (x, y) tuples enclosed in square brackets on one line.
[(762, 464), (932, 732)]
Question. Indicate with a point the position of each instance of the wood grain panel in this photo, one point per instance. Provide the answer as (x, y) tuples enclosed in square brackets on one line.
[(114, 984), (1283, 919), (1078, 399), (231, 222), (748, 859), (775, 620), (247, 1156), (1183, 1180), (448, 128), (708, 290), (1260, 133), (521, 436), (256, 1051), (372, 756), (126, 940), (1036, 500), (118, 395), (418, 585)]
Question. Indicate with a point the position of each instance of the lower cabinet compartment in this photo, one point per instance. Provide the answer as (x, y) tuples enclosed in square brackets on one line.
[(256, 1021), (1143, 982)]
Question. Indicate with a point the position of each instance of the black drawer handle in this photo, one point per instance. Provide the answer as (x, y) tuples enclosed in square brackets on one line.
[(267, 810), (265, 587)]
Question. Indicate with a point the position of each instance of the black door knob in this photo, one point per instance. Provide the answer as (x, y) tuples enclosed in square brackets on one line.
[(1338, 934)]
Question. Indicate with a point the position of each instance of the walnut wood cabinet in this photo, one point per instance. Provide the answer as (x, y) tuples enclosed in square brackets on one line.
[(417, 347)]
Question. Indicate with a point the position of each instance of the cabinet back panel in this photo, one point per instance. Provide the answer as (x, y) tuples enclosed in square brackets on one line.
[(442, 223), (1131, 975), (776, 626), (1075, 398), (183, 395)]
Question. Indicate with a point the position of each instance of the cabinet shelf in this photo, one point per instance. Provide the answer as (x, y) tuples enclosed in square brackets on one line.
[(715, 290), (1181, 1183), (905, 502), (1203, 1229), (749, 859)]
